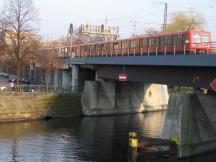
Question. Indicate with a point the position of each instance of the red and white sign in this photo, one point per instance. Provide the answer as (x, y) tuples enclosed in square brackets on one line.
[(213, 85), (122, 77)]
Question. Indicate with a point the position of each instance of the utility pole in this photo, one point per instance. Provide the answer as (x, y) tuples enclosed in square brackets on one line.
[(165, 17), (70, 38)]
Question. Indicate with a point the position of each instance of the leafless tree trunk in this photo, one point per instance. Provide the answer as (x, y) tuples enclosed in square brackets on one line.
[(16, 21)]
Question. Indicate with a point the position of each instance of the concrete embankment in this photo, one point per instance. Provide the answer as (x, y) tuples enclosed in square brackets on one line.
[(27, 106), (105, 98), (192, 119)]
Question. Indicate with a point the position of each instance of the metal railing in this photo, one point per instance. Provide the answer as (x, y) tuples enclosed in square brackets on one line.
[(192, 48), (40, 88)]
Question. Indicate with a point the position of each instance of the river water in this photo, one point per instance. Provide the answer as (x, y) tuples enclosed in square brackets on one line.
[(79, 139)]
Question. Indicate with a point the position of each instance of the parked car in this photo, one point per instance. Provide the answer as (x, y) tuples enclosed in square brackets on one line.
[(12, 78), (25, 80), (3, 74)]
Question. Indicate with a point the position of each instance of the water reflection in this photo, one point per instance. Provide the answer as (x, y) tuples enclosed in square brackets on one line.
[(97, 139)]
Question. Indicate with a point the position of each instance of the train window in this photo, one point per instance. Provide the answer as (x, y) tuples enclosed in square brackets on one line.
[(162, 41), (175, 40), (116, 46), (111, 46), (154, 42), (68, 50), (92, 47), (105, 47), (98, 47), (168, 41), (180, 39), (205, 38), (82, 49), (73, 50), (124, 44), (145, 43), (77, 50), (134, 44), (196, 38), (151, 42), (102, 47), (185, 39)]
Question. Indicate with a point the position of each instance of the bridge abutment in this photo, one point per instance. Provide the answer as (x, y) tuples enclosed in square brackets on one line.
[(105, 98), (192, 119)]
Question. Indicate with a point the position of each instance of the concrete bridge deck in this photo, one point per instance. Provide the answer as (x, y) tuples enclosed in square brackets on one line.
[(159, 60), (182, 70)]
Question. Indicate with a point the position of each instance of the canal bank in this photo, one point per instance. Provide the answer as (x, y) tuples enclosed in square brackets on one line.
[(30, 106)]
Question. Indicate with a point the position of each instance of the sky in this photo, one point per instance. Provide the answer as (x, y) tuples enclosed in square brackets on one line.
[(56, 15)]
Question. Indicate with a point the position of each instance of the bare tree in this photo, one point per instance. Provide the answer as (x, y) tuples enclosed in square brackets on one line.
[(16, 22), (182, 21)]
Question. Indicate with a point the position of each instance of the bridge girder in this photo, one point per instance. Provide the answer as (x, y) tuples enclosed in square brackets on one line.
[(199, 77)]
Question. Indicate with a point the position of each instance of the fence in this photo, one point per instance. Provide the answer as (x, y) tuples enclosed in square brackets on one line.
[(40, 88)]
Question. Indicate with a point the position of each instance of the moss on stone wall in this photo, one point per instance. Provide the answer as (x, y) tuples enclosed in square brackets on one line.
[(22, 106)]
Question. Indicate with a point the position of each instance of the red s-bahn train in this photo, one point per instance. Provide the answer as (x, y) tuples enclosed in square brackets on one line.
[(191, 41)]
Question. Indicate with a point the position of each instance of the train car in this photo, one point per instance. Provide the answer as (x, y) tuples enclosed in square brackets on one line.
[(199, 41), (191, 41)]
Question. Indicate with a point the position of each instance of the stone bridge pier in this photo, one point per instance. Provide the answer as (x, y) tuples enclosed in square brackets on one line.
[(192, 119), (106, 97)]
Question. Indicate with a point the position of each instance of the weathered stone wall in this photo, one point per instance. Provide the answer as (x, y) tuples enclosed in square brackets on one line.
[(104, 98), (192, 119), (24, 106), (140, 97)]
